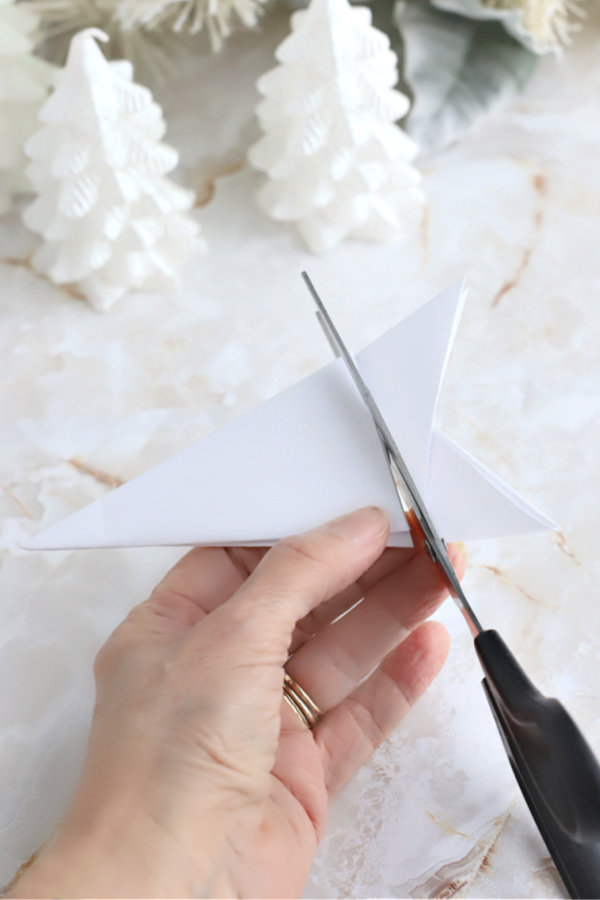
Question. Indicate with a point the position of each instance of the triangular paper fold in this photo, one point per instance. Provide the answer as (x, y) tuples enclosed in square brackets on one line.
[(310, 454), (468, 502)]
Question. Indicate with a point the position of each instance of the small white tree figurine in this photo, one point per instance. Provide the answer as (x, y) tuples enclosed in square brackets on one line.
[(24, 83), (110, 220), (338, 166)]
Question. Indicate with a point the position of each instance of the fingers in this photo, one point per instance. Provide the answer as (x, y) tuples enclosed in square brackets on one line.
[(330, 665), (206, 577), (348, 734), (301, 572), (391, 560), (201, 581)]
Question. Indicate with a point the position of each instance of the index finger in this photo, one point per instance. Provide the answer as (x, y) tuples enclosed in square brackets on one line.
[(298, 574), (391, 560)]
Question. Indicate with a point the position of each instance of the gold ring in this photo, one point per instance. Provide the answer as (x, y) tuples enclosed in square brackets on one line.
[(300, 702)]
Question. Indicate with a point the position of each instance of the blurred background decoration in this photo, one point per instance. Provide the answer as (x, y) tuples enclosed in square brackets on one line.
[(358, 95), (479, 50), (337, 165), (111, 221), (457, 57), (24, 82)]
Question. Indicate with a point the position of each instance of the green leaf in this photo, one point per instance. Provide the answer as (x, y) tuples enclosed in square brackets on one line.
[(458, 69)]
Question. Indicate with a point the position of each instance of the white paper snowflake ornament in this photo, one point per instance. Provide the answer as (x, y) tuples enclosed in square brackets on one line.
[(111, 221), (338, 165), (24, 83)]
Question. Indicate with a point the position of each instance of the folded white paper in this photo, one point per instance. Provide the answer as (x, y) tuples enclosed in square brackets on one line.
[(312, 453)]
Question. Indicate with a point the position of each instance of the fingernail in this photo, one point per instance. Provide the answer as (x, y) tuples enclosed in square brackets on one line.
[(363, 526)]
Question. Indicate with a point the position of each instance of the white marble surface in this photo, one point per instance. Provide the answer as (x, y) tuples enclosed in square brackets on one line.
[(87, 401)]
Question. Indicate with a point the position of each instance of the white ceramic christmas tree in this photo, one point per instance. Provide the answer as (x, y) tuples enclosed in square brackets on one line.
[(111, 221), (337, 164), (24, 82)]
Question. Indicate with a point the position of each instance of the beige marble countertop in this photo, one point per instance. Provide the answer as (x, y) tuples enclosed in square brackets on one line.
[(88, 401)]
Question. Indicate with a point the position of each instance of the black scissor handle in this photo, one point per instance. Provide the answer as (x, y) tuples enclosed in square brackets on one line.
[(554, 765)]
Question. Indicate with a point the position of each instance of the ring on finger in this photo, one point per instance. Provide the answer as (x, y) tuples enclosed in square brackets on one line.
[(304, 707)]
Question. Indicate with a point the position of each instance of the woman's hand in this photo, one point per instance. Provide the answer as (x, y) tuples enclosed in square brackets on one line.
[(199, 779)]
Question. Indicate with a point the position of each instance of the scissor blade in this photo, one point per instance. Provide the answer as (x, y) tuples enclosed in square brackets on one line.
[(408, 492)]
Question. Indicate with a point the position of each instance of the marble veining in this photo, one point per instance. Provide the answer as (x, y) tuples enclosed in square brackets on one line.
[(89, 401)]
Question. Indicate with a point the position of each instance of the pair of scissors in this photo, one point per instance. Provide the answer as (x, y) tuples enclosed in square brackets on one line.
[(554, 765)]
